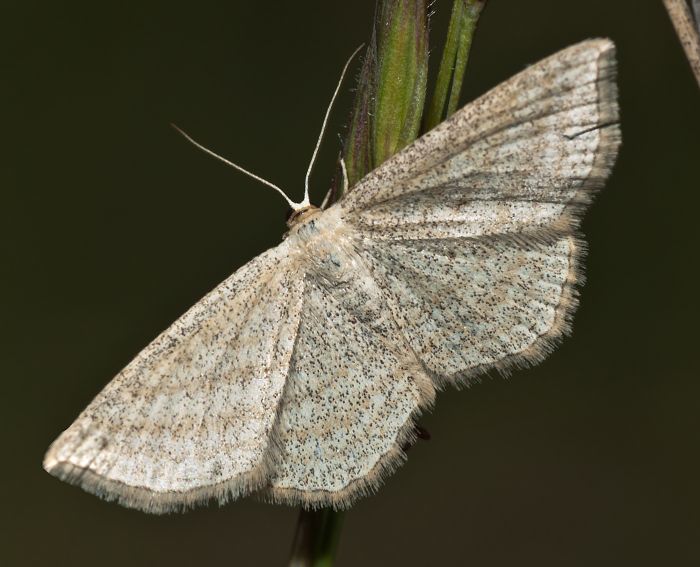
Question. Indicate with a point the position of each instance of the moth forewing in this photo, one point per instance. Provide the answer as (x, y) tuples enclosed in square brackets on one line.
[(190, 418), (549, 132)]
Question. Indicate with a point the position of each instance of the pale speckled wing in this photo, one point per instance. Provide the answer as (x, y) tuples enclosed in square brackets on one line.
[(471, 230), (190, 418), (354, 385), (467, 305), (526, 155)]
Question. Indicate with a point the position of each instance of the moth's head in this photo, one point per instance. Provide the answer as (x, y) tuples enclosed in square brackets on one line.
[(300, 216)]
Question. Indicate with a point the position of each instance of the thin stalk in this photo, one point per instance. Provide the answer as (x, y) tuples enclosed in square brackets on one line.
[(470, 17), (401, 76), (687, 31), (316, 538), (455, 55)]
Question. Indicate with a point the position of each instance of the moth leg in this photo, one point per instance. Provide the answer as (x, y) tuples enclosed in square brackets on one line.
[(345, 174), (330, 192)]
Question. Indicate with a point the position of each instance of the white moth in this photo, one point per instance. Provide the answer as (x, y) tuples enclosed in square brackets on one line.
[(301, 375)]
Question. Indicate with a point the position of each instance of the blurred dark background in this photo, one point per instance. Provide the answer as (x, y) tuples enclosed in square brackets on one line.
[(113, 225)]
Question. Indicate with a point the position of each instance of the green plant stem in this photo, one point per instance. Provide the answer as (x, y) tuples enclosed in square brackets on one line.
[(358, 146), (316, 538), (455, 55), (402, 72)]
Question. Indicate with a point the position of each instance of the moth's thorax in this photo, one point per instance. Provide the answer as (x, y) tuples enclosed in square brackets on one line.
[(326, 241)]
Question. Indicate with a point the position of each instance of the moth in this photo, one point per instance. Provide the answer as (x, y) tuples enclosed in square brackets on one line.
[(300, 377)]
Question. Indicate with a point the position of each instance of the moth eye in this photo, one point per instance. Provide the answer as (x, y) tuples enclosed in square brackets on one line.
[(288, 214)]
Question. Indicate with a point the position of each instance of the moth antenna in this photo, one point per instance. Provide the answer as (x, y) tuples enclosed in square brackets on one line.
[(306, 202), (295, 206)]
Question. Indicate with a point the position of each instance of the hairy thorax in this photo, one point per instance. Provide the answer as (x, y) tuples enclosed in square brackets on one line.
[(327, 242)]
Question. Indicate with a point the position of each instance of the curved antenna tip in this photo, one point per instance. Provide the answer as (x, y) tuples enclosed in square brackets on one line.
[(325, 122), (295, 206)]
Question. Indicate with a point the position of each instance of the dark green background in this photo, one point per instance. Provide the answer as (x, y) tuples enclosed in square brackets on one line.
[(113, 225)]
